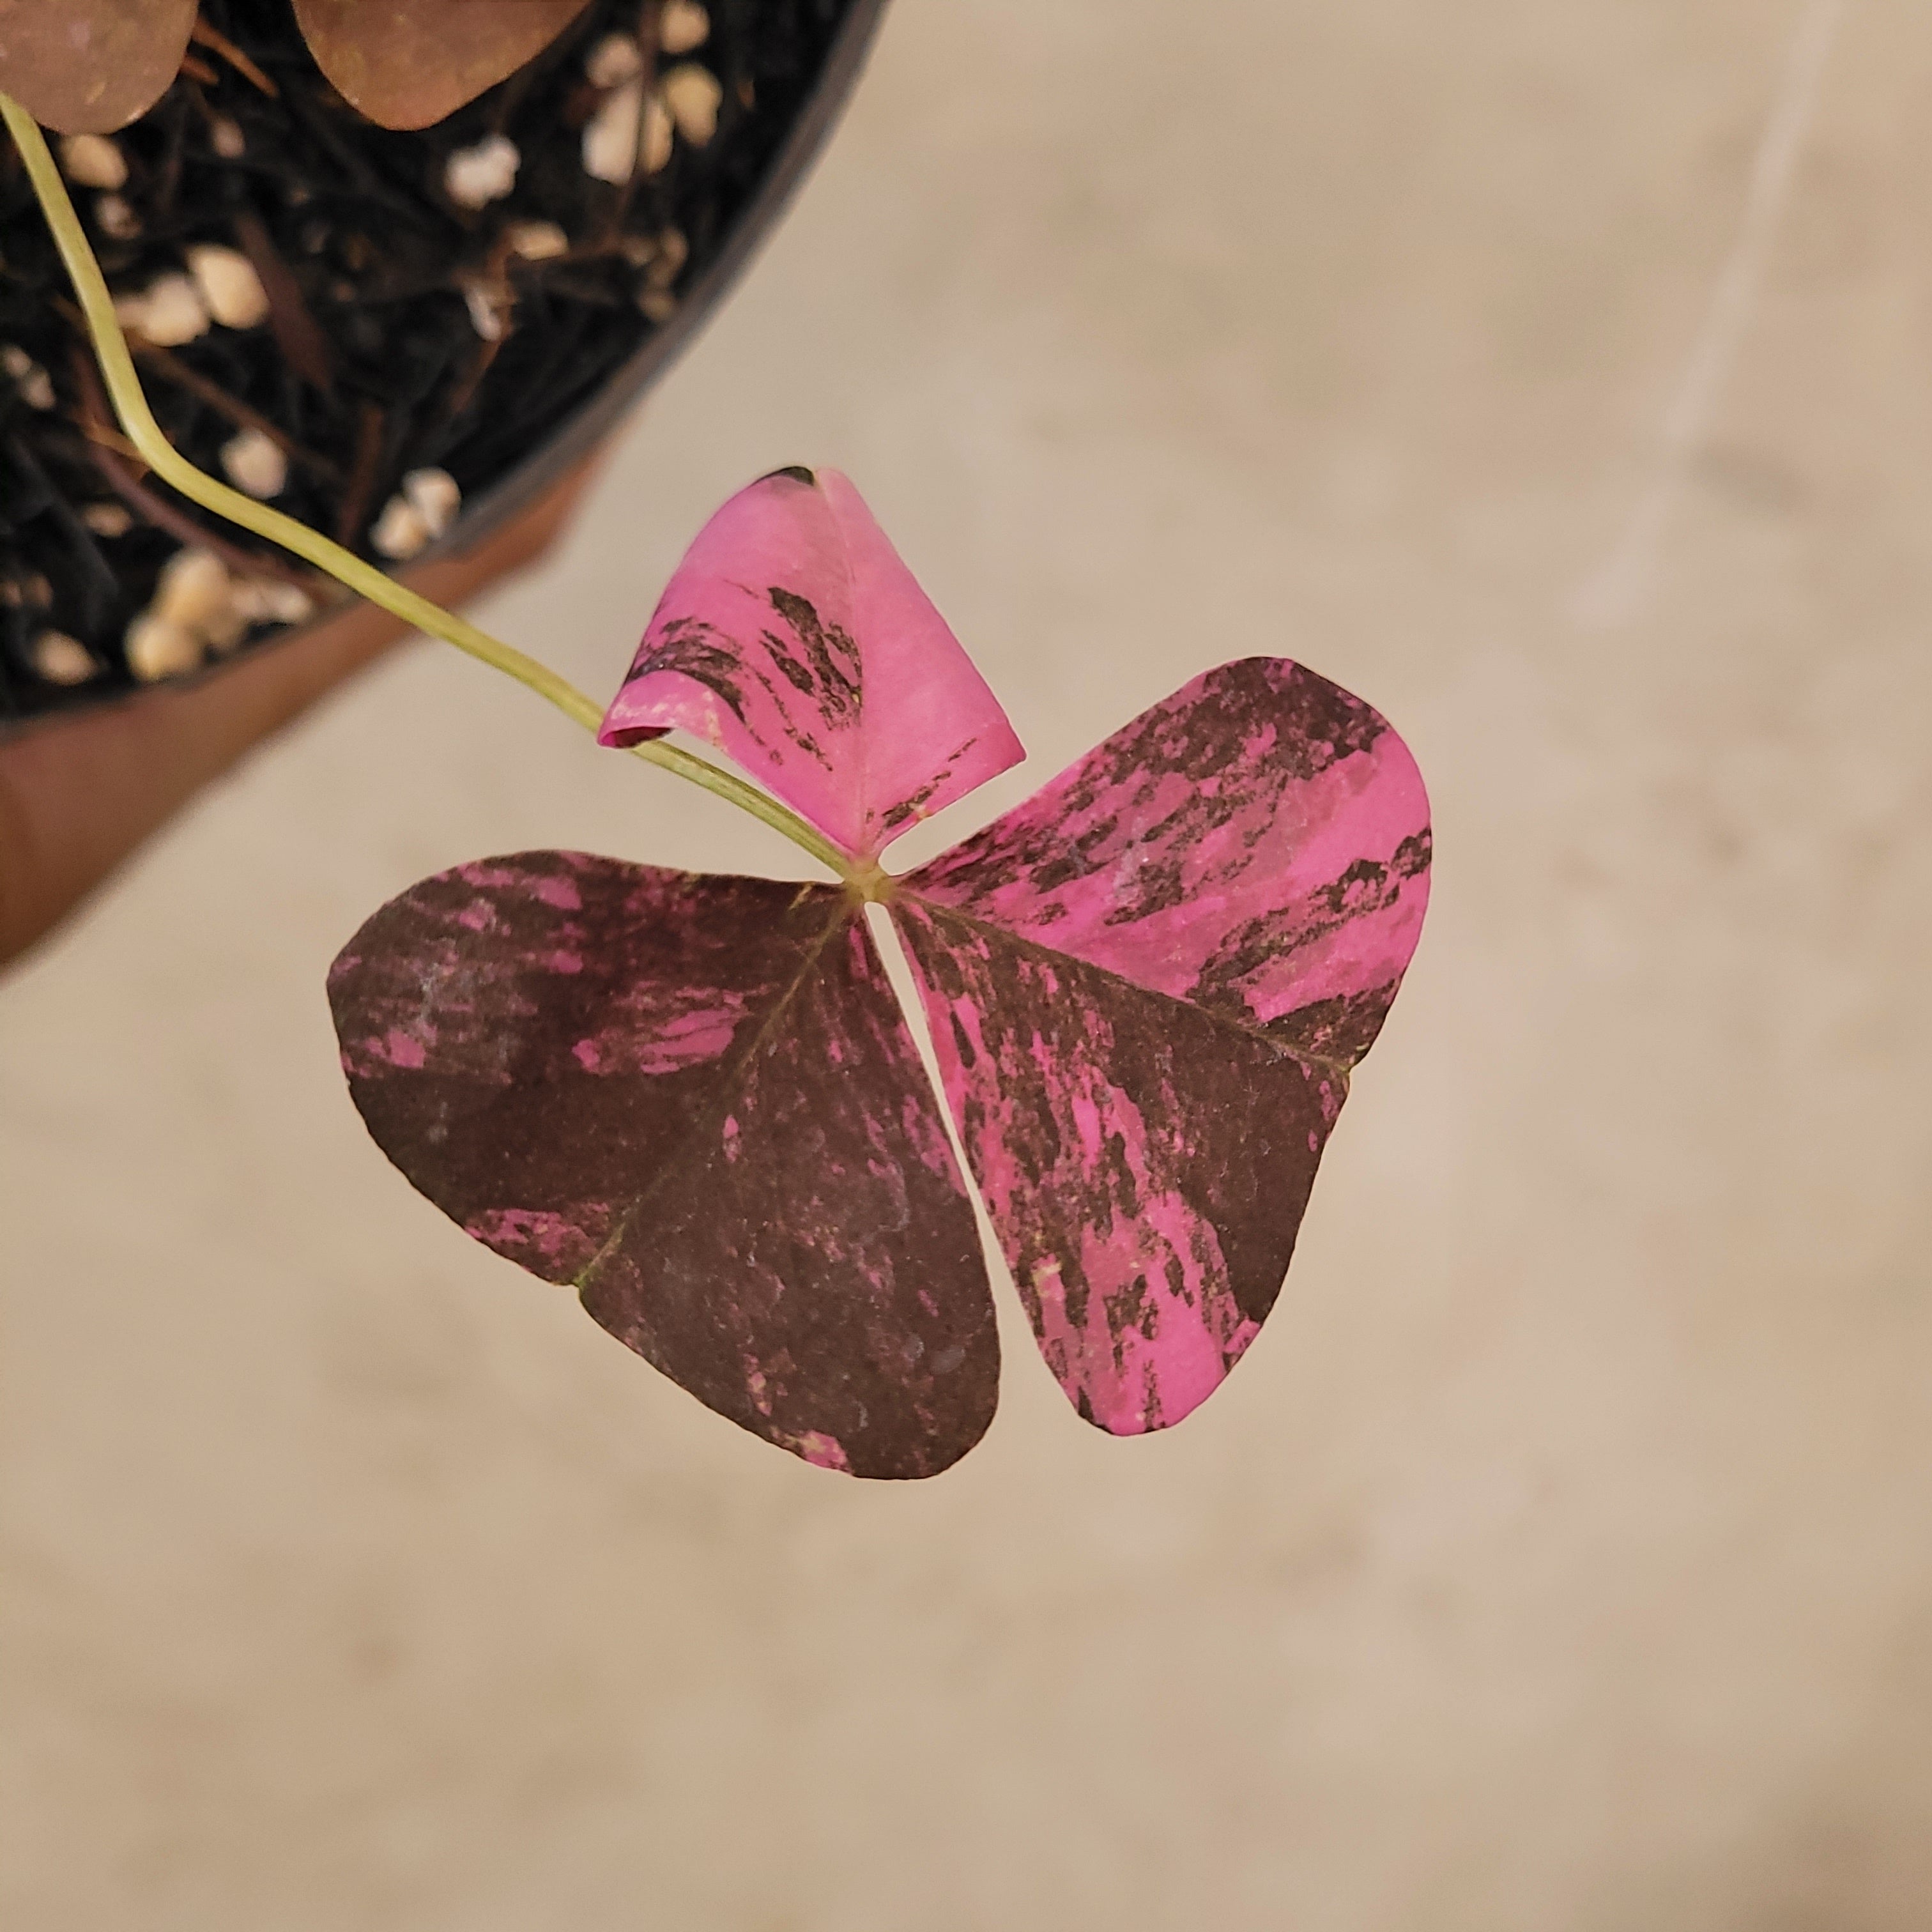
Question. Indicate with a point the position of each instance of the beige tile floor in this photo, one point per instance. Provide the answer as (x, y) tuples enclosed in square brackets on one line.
[(1562, 1555)]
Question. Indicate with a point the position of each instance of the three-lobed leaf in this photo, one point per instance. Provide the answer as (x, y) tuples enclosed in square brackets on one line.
[(695, 1100)]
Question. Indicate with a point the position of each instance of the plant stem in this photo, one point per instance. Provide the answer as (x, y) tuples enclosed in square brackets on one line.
[(137, 420)]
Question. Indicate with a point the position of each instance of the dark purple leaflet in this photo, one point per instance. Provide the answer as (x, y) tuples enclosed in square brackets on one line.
[(694, 1100), (1146, 985)]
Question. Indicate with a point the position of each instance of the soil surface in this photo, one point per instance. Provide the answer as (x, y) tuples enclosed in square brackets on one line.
[(405, 330)]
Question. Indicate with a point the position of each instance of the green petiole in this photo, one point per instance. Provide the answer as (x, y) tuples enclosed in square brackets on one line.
[(137, 422)]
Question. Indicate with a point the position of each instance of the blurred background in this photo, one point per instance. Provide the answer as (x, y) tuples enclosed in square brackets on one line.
[(1559, 378)]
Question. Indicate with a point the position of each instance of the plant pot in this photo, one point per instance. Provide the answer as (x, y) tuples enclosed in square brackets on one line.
[(377, 361), (77, 797)]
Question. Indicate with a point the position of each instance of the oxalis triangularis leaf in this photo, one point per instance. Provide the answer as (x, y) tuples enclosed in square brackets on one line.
[(694, 1100)]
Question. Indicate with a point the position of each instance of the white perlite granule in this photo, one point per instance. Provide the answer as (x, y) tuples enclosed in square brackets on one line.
[(92, 160), (654, 141), (192, 591), (35, 385), (476, 176), (615, 59), (435, 497), (611, 135), (157, 649), (683, 25), (229, 286), (694, 94), (61, 659), (400, 531), (255, 463), (107, 519), (270, 600), (536, 241), (421, 511), (169, 311)]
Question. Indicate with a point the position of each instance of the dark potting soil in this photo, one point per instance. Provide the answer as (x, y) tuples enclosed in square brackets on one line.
[(404, 331)]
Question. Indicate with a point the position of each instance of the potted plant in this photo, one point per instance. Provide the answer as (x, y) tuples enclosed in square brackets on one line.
[(396, 269), (695, 1101)]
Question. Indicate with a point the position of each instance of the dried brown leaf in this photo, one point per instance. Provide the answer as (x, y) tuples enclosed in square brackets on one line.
[(88, 66), (406, 63)]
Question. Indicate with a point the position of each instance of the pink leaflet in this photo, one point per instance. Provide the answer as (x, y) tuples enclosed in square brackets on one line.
[(1257, 844), (1146, 985), (1144, 1164), (793, 639)]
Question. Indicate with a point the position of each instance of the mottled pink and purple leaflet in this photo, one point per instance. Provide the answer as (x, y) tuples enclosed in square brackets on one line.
[(793, 638), (1146, 986), (694, 1100)]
